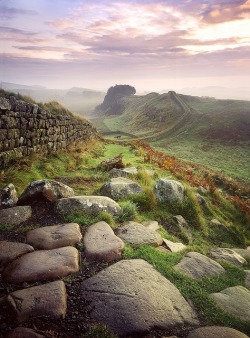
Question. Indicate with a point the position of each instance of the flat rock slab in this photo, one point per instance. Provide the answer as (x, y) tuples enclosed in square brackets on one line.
[(89, 204), (174, 247), (101, 244), (48, 300), (169, 190), (235, 300), (245, 253), (15, 215), (120, 187), (42, 266), (56, 236), (131, 297), (228, 255), (216, 332), (196, 265), (24, 332), (151, 225), (9, 251), (137, 234), (50, 189)]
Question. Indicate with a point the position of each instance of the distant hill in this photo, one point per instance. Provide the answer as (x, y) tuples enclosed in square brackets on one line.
[(206, 130), (78, 100), (154, 116)]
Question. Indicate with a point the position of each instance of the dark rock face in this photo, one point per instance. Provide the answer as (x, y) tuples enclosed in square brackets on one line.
[(25, 128), (112, 104)]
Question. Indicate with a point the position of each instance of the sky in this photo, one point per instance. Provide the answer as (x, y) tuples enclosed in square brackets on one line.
[(152, 44)]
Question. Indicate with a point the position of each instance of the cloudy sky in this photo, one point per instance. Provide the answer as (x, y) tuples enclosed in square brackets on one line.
[(151, 44)]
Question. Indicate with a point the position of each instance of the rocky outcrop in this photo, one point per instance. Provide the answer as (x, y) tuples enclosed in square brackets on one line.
[(120, 187), (228, 255), (132, 298), (49, 189), (89, 204), (26, 128), (178, 226), (169, 190), (112, 104)]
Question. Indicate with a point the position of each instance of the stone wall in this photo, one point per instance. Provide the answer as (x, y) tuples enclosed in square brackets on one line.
[(25, 128)]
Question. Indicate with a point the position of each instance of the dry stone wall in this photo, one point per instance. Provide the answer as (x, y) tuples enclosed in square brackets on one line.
[(25, 128)]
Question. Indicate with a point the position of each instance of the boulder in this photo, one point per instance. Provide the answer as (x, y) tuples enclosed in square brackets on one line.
[(42, 266), (101, 244), (228, 255), (245, 253), (132, 298), (110, 163), (24, 332), (8, 196), (136, 234), (202, 190), (9, 251), (15, 215), (216, 332), (169, 190), (120, 187), (178, 226), (174, 247), (123, 172), (50, 189), (235, 300), (151, 225), (48, 300), (201, 200), (247, 278), (196, 265), (89, 204), (56, 236)]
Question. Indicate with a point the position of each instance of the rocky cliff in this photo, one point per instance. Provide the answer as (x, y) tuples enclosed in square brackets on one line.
[(111, 104), (26, 128)]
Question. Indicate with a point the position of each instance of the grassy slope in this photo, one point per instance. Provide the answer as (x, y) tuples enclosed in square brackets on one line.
[(79, 169), (204, 130)]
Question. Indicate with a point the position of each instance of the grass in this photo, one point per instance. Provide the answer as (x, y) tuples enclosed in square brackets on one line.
[(79, 168)]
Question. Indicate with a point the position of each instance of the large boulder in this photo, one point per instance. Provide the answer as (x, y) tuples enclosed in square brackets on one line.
[(132, 298), (235, 300), (9, 251), (112, 163), (137, 234), (216, 332), (48, 300), (15, 215), (169, 190), (89, 204), (8, 196), (42, 266), (54, 236), (50, 189), (196, 265), (101, 244), (228, 255), (120, 187)]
